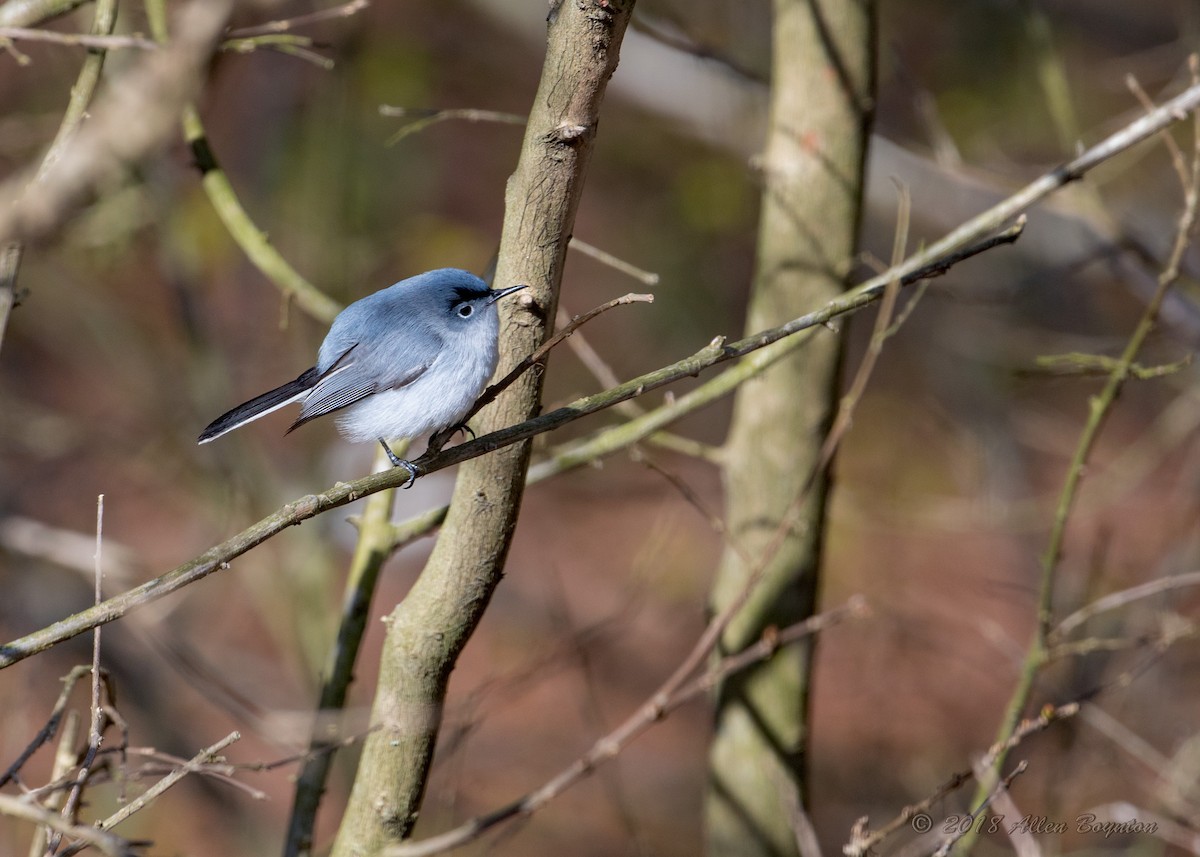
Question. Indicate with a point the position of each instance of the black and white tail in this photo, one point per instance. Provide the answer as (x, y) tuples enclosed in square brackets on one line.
[(260, 406)]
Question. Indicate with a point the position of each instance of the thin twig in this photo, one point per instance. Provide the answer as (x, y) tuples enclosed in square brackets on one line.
[(646, 278), (1086, 365), (592, 360), (286, 24), (10, 265), (540, 353), (881, 332), (995, 789), (603, 373), (691, 497), (803, 830), (78, 40), (66, 755), (864, 841), (193, 765), (837, 431), (160, 763), (1022, 838), (1120, 599), (427, 117), (48, 731), (285, 43), (670, 36), (1177, 159), (27, 13), (98, 595), (96, 711), (108, 843), (489, 395)]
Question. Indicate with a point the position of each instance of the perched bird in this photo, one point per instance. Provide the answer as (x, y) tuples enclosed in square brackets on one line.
[(407, 360)]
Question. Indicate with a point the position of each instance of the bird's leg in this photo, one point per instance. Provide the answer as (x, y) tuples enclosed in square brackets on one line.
[(397, 461), (439, 438)]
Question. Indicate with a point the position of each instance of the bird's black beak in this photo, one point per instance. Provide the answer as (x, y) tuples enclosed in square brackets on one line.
[(500, 293)]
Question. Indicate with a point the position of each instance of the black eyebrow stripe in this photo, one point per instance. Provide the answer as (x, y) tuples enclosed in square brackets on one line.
[(466, 293)]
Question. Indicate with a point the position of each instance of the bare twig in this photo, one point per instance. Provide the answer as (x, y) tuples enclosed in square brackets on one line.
[(995, 790), (1177, 159), (287, 24), (539, 355), (693, 499), (285, 43), (193, 765), (602, 372), (78, 40), (1046, 717), (1116, 600), (159, 763), (592, 360), (647, 278), (65, 757), (1022, 838), (882, 330), (864, 841), (1080, 364), (10, 265), (108, 843), (48, 731), (27, 13), (807, 843), (425, 117), (95, 711), (671, 36)]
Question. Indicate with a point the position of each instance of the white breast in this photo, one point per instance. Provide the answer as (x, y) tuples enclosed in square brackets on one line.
[(439, 398)]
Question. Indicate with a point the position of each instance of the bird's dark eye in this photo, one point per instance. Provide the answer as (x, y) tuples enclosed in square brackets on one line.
[(465, 311)]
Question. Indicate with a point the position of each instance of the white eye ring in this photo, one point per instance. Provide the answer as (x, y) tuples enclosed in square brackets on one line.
[(465, 311)]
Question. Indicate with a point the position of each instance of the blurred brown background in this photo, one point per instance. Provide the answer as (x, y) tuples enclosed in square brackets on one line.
[(143, 321)]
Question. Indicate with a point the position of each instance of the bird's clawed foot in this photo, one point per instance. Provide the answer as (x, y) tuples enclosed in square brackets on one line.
[(397, 461), (439, 438)]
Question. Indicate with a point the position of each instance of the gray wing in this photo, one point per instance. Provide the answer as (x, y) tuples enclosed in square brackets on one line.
[(353, 367)]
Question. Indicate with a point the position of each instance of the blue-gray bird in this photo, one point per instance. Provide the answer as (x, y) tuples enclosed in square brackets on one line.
[(407, 360)]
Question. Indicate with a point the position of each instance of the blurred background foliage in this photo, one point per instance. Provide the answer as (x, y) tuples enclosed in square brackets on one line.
[(143, 320)]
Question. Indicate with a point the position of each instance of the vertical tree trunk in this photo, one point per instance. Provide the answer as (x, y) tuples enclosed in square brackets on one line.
[(822, 90), (427, 631)]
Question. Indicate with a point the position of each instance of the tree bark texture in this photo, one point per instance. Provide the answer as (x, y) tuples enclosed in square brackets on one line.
[(821, 101), (427, 631)]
